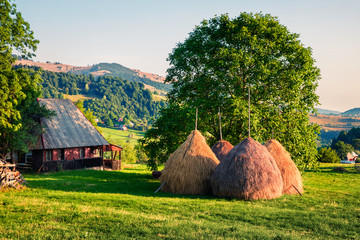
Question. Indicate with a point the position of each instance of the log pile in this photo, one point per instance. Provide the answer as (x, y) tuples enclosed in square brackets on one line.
[(9, 177)]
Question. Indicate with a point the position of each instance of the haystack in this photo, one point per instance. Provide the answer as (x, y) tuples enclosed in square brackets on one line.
[(248, 172), (188, 170), (289, 172), (221, 149)]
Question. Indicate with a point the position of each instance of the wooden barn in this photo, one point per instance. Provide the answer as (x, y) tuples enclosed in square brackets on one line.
[(70, 141)]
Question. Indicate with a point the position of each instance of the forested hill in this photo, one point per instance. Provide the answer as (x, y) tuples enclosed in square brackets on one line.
[(351, 112), (112, 99), (118, 70), (101, 69)]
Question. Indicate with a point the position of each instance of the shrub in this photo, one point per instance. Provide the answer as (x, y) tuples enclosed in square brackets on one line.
[(328, 155)]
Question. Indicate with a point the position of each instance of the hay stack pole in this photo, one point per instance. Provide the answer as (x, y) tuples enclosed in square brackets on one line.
[(249, 110), (220, 125), (221, 148), (196, 118)]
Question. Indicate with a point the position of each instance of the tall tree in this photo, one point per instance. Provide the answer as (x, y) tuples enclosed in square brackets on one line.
[(19, 110), (222, 59)]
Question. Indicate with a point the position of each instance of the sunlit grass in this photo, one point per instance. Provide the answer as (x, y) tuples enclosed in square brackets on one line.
[(117, 136), (122, 205)]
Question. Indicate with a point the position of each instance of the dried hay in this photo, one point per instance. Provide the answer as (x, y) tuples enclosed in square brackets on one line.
[(248, 172), (289, 172), (221, 149), (188, 170)]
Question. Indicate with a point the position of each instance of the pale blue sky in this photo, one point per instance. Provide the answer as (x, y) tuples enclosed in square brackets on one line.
[(141, 33)]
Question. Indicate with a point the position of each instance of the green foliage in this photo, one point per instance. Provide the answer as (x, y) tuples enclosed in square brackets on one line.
[(90, 204), (168, 132), (342, 149), (128, 154), (109, 98), (19, 110), (351, 137), (326, 136), (15, 34), (118, 70), (87, 113), (328, 155), (215, 67)]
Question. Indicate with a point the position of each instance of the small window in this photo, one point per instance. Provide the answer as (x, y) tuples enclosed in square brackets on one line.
[(48, 155), (82, 153), (60, 154)]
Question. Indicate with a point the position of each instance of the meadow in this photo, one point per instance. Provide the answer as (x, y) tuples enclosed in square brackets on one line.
[(122, 205), (120, 137)]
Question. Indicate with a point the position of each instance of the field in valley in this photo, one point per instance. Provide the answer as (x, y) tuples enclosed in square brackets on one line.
[(119, 137), (122, 205), (334, 123)]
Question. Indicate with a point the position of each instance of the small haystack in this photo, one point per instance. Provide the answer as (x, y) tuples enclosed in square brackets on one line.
[(248, 172), (289, 172), (221, 149), (188, 170)]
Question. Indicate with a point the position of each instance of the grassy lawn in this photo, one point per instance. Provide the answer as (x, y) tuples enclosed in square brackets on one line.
[(117, 136), (122, 205)]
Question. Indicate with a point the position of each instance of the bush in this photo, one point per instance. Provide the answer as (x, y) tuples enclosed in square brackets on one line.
[(342, 149), (328, 155)]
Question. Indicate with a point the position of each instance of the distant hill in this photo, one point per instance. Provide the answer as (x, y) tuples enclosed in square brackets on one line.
[(118, 70), (352, 112), (327, 112), (113, 100), (152, 81)]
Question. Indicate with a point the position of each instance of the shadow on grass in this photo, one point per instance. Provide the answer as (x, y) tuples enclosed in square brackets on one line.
[(133, 182), (349, 170)]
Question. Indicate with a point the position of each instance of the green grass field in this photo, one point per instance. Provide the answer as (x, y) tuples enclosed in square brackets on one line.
[(89, 204), (119, 137)]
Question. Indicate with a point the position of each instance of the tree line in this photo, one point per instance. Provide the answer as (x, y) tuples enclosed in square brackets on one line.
[(346, 142)]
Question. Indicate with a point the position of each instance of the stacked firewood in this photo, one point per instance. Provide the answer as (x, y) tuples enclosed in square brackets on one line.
[(9, 177)]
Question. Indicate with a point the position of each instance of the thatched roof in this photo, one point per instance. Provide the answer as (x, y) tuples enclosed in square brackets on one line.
[(188, 170), (289, 172), (221, 149), (248, 172), (69, 128)]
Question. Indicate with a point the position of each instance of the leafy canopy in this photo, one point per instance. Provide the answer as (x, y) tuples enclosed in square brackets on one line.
[(19, 110), (215, 67)]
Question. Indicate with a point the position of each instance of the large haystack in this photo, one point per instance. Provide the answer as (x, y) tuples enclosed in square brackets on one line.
[(188, 170), (248, 172), (289, 172), (221, 149)]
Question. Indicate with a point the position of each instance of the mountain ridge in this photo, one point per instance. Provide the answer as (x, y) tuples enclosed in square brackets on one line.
[(151, 81), (351, 112)]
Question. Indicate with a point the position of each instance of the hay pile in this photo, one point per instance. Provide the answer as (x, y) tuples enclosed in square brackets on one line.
[(188, 170), (221, 149), (248, 172), (289, 172)]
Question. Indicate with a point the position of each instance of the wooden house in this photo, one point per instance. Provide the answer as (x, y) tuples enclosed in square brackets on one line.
[(70, 141)]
